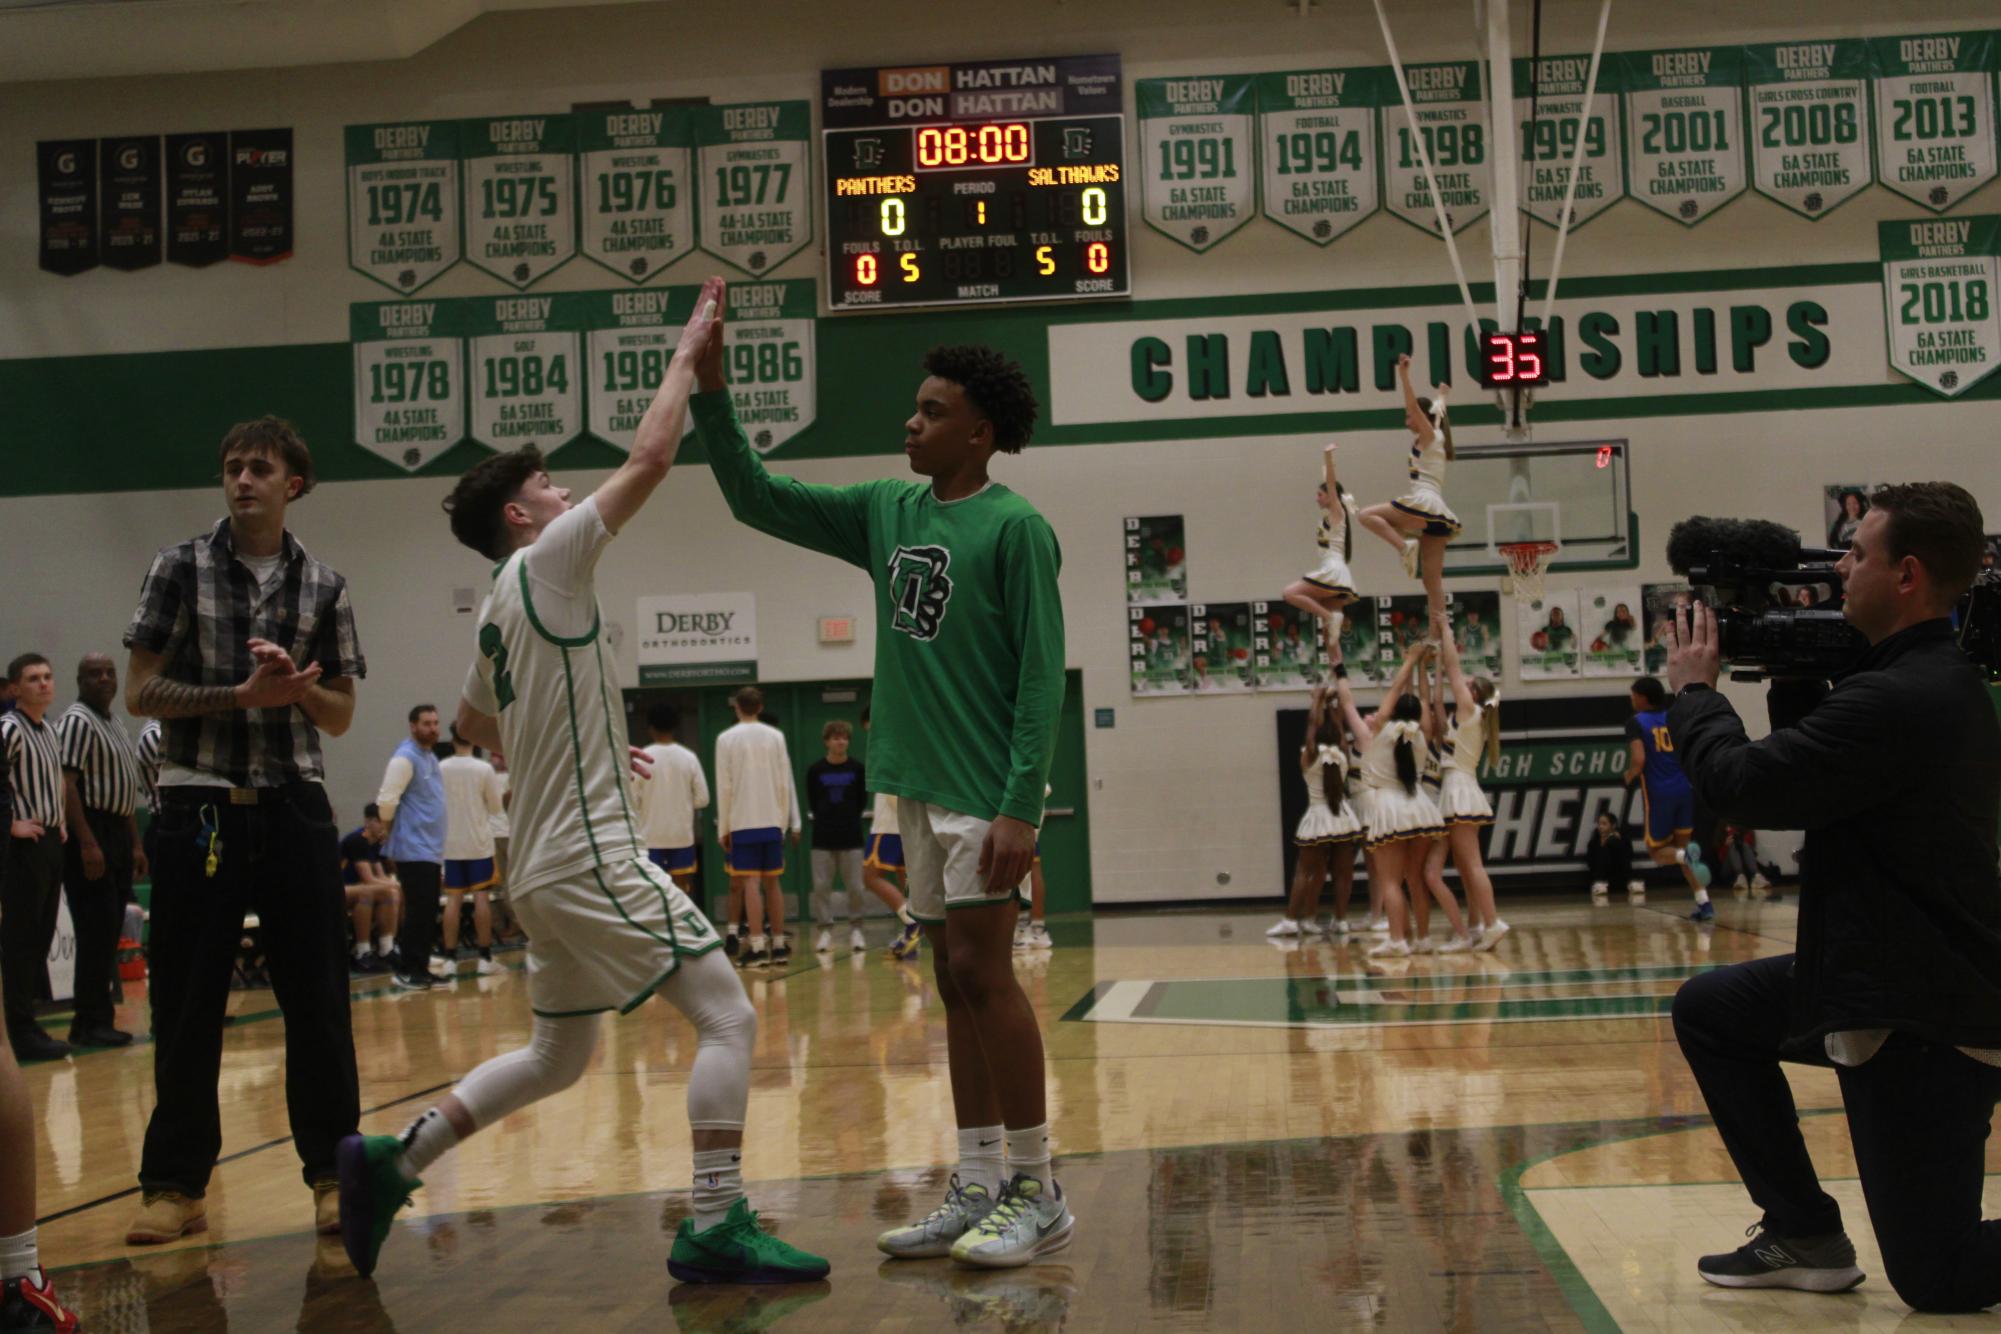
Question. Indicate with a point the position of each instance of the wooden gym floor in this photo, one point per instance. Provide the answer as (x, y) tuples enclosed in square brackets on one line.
[(1252, 1138)]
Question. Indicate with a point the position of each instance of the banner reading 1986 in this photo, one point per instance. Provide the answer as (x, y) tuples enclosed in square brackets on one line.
[(1198, 142), (1935, 115), (527, 381), (638, 207), (756, 186), (1810, 141), (1317, 129), (409, 383), (520, 195), (1452, 117), (403, 201), (1685, 129), (1549, 141), (1940, 279)]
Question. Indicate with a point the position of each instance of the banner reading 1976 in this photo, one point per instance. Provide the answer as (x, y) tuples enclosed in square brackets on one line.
[(1940, 278), (755, 182), (409, 379), (403, 201), (1935, 131), (1198, 142), (520, 195), (1810, 141), (527, 380), (1452, 117), (1317, 129), (1685, 129), (638, 205), (1549, 140)]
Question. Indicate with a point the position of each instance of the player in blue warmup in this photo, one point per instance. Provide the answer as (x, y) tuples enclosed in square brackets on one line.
[(1670, 801)]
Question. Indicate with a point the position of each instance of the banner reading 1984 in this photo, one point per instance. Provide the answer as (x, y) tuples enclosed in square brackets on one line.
[(1452, 116), (403, 201), (519, 195), (1810, 141), (1685, 129), (1935, 115), (1198, 139), (409, 382), (1549, 141), (1940, 278), (638, 207), (755, 182), (1317, 129), (527, 381)]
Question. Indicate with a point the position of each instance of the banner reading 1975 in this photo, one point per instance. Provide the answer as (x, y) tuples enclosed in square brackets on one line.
[(1198, 142), (409, 379), (1317, 129), (755, 182), (403, 201), (520, 195), (638, 205), (1940, 278), (1685, 129)]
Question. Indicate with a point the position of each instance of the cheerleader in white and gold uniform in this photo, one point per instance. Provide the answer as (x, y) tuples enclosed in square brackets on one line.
[(1402, 820), (1474, 741), (1418, 523), (1329, 587), (1331, 823)]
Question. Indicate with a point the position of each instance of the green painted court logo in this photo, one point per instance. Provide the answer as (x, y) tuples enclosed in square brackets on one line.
[(920, 589)]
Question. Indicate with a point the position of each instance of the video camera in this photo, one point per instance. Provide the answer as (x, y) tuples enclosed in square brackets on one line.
[(1779, 605)]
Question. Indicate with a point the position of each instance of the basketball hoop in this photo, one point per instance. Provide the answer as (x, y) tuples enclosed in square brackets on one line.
[(1527, 563)]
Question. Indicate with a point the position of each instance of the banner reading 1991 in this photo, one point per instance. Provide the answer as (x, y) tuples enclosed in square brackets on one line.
[(520, 195), (1685, 129), (1935, 115), (1317, 129), (1452, 117), (1940, 278), (403, 201), (409, 382), (756, 182), (638, 205), (1198, 139), (527, 376)]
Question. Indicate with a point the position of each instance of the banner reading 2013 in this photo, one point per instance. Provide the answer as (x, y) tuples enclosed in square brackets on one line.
[(527, 376), (1685, 129), (1940, 279), (1317, 129), (1809, 123), (1935, 115), (755, 183), (639, 210), (1198, 139), (403, 201), (520, 195), (409, 379), (1452, 117)]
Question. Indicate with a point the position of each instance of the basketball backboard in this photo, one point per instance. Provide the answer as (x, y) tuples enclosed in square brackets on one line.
[(1577, 493)]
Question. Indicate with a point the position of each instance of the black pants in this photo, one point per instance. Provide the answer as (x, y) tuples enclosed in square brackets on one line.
[(422, 884), (281, 857), (1918, 1116), (97, 910), (30, 888), (1610, 863)]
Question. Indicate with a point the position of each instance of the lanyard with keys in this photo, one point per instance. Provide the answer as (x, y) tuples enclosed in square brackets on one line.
[(210, 839)]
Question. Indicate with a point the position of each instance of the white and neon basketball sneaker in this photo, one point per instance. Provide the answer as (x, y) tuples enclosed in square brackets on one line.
[(934, 1234), (1027, 1223)]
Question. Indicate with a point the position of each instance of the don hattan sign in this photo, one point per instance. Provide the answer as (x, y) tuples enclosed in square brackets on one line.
[(688, 638)]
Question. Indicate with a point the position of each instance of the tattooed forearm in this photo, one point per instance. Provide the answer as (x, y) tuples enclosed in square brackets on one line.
[(161, 698)]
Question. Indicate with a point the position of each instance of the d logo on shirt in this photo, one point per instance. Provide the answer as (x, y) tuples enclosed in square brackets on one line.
[(919, 587)]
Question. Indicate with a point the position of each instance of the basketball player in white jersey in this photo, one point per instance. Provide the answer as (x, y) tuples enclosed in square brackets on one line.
[(607, 928)]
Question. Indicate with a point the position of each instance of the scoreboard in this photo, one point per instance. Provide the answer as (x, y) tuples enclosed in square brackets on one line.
[(966, 184)]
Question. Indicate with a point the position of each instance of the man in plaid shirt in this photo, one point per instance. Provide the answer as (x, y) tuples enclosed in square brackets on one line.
[(245, 647)]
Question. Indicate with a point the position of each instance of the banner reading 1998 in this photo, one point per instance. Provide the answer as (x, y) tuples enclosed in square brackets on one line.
[(1317, 129), (403, 201), (1452, 117), (1198, 139), (409, 381), (756, 183), (638, 207), (1940, 279), (1935, 115), (1685, 129), (527, 377), (520, 195)]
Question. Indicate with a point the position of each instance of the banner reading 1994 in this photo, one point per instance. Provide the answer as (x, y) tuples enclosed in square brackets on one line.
[(1935, 115), (519, 195), (1810, 141), (1198, 141), (1317, 129), (1940, 278), (1549, 141), (527, 381), (409, 383), (403, 201), (638, 205), (1452, 117), (755, 182), (1685, 129)]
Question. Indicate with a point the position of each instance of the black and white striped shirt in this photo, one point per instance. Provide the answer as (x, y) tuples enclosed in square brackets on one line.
[(149, 763), (35, 766), (98, 751)]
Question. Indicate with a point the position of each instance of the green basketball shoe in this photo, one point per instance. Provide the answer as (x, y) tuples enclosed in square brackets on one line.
[(372, 1189), (737, 1250)]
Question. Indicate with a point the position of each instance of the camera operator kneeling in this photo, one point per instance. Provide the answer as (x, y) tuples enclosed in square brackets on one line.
[(1895, 775)]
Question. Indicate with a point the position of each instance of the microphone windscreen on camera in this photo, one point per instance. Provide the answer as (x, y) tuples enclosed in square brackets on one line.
[(1752, 543)]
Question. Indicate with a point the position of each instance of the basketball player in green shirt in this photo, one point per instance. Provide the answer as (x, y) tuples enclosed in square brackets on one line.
[(969, 685)]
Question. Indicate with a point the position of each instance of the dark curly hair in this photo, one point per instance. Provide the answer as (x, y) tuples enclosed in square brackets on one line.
[(476, 502), (995, 386)]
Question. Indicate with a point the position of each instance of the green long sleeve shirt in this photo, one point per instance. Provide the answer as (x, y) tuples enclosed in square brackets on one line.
[(969, 620)]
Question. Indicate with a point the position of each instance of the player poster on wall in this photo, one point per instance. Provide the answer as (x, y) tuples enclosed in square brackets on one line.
[(1935, 115), (409, 383), (1219, 646), (1809, 131), (527, 373), (1157, 639), (1546, 631), (1684, 129), (1317, 131), (768, 358), (1610, 622), (129, 193), (1658, 603), (1476, 628), (1198, 150), (67, 169), (197, 199), (1842, 506), (755, 182), (1286, 647), (520, 195), (260, 196), (1549, 142), (1361, 646), (1939, 290), (1452, 115), (1156, 559), (403, 201), (1401, 621), (638, 202)]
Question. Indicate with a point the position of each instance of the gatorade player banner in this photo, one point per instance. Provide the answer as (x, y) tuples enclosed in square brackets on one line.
[(1685, 129), (1402, 619), (1157, 639), (1612, 626), (755, 182), (1361, 643), (1219, 648), (403, 201), (67, 170), (527, 373), (1549, 142), (1318, 133), (1658, 603), (129, 191), (1935, 115), (1476, 628), (409, 379), (1452, 116), (260, 196), (1286, 647), (631, 337), (1156, 559), (1939, 287), (1810, 141), (638, 204), (197, 199), (768, 358), (520, 195), (1547, 631), (1198, 149)]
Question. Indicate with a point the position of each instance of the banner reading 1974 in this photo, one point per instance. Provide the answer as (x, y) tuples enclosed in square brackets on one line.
[(1935, 115), (1549, 141), (755, 182), (1198, 139), (1452, 117), (1810, 141), (1940, 278), (1318, 133), (527, 380), (638, 207), (520, 195), (1685, 129), (403, 201), (409, 381)]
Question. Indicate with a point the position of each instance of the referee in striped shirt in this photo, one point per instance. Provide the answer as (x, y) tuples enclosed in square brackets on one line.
[(31, 885), (101, 792)]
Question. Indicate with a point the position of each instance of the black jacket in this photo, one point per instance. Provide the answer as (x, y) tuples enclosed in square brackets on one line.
[(1895, 775)]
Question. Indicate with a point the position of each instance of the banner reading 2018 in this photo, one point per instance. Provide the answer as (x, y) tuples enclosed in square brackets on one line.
[(755, 182), (1685, 129), (1198, 140), (520, 196), (1940, 279)]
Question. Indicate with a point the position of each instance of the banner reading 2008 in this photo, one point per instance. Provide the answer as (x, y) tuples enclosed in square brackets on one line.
[(1940, 278), (1317, 129), (520, 195), (1935, 115), (409, 389), (1452, 117), (1199, 144), (1685, 129), (526, 378), (1809, 123), (754, 182), (639, 211), (403, 201)]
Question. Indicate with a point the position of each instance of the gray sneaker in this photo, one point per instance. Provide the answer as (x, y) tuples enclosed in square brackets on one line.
[(932, 1235), (1809, 1264), (1022, 1227)]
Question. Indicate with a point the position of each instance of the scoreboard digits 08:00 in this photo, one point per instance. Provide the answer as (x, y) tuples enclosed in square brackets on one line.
[(971, 183)]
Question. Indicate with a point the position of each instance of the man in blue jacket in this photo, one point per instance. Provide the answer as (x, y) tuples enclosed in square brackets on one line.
[(412, 800)]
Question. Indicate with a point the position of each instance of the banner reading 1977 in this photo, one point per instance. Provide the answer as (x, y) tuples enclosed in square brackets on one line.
[(1810, 141), (755, 182), (520, 195), (1685, 129), (1935, 131), (403, 201), (638, 205), (1452, 117), (409, 379), (1198, 139), (1940, 279), (527, 377), (1317, 129)]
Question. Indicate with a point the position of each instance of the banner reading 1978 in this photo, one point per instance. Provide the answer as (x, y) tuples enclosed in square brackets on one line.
[(1810, 141), (1549, 141), (638, 205), (527, 381), (1317, 129), (1452, 117), (409, 381), (1940, 278), (1198, 142), (755, 182), (403, 201), (520, 195), (1935, 115), (1685, 129)]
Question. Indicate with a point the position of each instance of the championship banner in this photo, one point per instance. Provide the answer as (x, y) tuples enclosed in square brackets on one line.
[(1198, 151), (1156, 559), (1318, 129), (638, 200), (129, 195), (409, 379), (1939, 283), (768, 358), (1684, 129), (1935, 115), (631, 337), (1452, 116), (260, 196), (1286, 647), (1157, 639), (1611, 625), (527, 372), (403, 201), (67, 170), (1810, 142), (1547, 631), (520, 195), (197, 199), (1219, 647), (1549, 141), (755, 184)]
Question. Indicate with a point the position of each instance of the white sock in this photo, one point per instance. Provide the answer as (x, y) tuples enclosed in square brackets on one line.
[(1701, 897), (732, 930), (18, 1256), (425, 1140), (903, 916), (385, 944), (757, 942), (361, 949), (1028, 1155), (981, 1158), (718, 1185)]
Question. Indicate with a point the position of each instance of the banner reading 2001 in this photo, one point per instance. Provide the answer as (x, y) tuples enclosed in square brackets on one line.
[(755, 185), (1940, 278), (1318, 133), (403, 201), (1199, 144), (520, 195), (1685, 129), (409, 388)]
